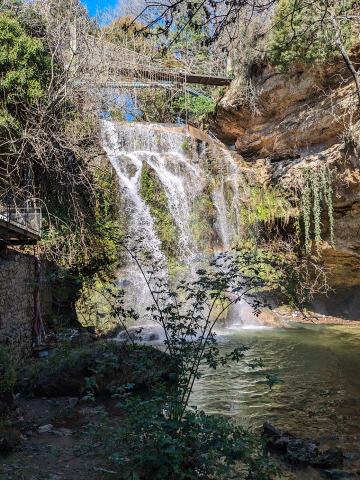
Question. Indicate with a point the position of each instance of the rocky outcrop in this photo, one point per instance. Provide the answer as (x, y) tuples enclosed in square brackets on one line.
[(289, 116), (304, 121), (344, 260), (301, 452)]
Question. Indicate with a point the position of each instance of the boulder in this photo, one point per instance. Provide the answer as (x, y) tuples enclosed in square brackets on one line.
[(281, 444), (330, 459), (271, 431), (301, 452)]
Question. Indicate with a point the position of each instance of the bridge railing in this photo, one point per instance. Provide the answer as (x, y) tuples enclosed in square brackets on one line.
[(109, 62), (18, 210)]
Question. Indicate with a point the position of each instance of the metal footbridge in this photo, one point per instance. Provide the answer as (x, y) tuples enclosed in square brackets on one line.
[(104, 64)]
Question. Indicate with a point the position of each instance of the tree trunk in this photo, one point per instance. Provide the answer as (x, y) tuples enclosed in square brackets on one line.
[(344, 54)]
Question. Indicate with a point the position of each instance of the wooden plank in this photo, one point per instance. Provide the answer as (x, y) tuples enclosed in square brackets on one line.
[(205, 79)]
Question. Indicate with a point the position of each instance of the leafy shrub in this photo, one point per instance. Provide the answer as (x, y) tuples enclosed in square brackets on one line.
[(149, 444), (302, 33)]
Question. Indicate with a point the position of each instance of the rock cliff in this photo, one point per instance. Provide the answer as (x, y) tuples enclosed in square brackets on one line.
[(305, 120)]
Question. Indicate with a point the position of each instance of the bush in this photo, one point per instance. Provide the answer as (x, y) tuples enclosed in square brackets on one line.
[(149, 444), (301, 33)]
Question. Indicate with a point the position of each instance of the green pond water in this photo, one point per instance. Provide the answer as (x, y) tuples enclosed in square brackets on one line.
[(320, 370)]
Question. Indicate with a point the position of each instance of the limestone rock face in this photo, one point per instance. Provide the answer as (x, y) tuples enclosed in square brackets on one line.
[(306, 120), (295, 115)]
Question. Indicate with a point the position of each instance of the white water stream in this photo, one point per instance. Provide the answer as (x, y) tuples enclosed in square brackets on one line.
[(183, 174)]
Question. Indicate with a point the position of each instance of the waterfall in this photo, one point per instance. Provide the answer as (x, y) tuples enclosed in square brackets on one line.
[(129, 149), (181, 169), (221, 224)]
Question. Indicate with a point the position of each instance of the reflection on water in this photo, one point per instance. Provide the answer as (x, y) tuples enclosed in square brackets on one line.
[(320, 367)]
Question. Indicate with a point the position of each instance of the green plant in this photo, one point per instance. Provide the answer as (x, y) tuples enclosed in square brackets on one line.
[(302, 32), (316, 192), (93, 247), (265, 204), (101, 365), (161, 436), (185, 146), (196, 107), (153, 193), (150, 445)]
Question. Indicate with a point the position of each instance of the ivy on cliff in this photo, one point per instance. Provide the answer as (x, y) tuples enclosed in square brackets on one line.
[(265, 204), (317, 193), (93, 244)]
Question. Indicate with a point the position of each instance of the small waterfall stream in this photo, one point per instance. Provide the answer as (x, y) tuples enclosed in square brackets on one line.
[(181, 167), (131, 148)]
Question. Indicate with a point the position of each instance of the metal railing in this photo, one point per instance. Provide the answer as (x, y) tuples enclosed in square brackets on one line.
[(18, 210)]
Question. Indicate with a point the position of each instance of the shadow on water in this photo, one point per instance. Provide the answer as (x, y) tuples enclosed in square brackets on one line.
[(341, 303)]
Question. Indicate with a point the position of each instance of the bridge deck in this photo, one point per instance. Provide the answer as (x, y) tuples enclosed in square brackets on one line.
[(12, 234), (205, 79), (108, 62)]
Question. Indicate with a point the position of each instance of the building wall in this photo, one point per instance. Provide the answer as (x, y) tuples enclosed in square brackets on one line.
[(17, 273)]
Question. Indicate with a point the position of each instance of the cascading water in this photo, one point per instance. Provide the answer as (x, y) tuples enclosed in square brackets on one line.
[(184, 176), (221, 223), (129, 149)]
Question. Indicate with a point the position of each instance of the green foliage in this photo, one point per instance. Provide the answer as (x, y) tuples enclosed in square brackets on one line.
[(154, 195), (73, 247), (150, 445), (265, 204), (159, 436), (185, 146), (221, 92), (24, 63), (302, 33), (66, 357), (7, 373), (196, 107), (91, 307), (317, 192), (24, 74), (202, 221)]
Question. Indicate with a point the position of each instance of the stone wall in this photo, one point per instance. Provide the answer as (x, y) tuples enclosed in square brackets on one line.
[(17, 303)]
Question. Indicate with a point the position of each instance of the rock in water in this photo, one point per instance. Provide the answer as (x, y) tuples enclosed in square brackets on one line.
[(330, 459), (271, 431), (300, 452)]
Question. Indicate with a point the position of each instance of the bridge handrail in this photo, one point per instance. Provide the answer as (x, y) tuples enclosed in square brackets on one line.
[(17, 210), (143, 60)]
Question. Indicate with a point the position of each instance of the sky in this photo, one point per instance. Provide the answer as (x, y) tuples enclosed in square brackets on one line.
[(92, 5)]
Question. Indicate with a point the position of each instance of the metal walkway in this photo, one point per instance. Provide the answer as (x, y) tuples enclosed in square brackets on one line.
[(107, 63)]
